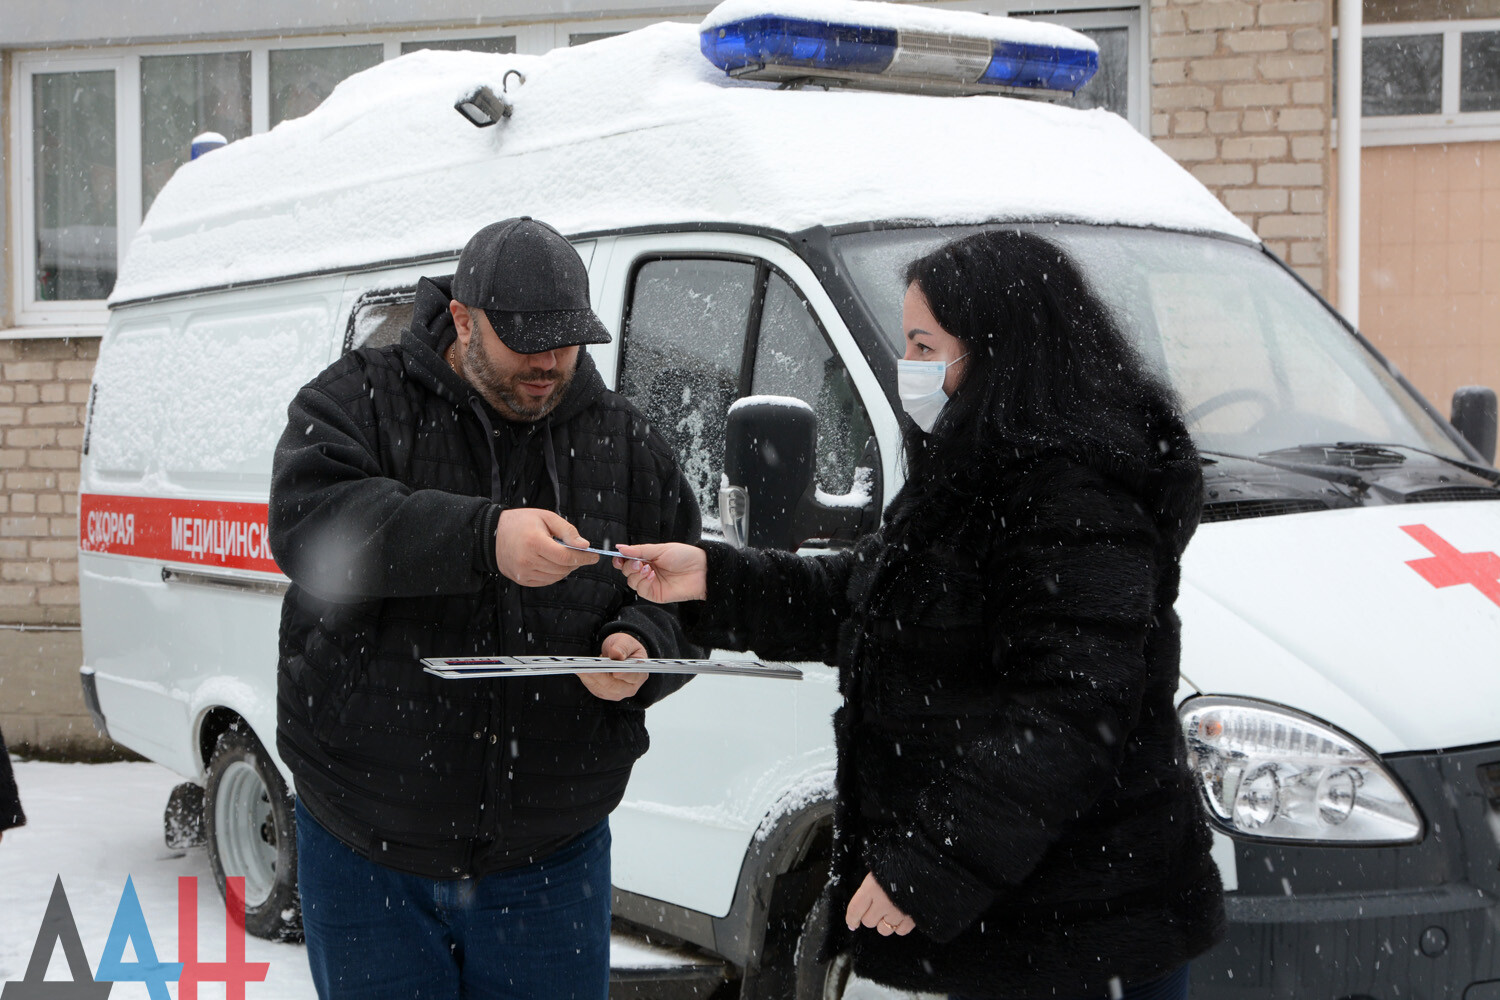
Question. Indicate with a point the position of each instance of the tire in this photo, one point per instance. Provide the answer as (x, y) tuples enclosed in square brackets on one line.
[(252, 832), (818, 980)]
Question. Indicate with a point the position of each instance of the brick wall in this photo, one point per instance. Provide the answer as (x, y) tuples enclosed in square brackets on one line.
[(1241, 96), (43, 394)]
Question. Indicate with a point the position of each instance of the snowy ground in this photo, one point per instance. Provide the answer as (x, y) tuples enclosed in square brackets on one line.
[(95, 824)]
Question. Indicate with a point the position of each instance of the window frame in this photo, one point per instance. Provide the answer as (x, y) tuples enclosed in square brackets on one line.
[(1449, 124), (29, 310), (761, 269), (764, 269), (394, 295)]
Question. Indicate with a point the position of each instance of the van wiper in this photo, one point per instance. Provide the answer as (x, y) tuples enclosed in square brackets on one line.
[(1371, 453), (1328, 473), (1354, 454)]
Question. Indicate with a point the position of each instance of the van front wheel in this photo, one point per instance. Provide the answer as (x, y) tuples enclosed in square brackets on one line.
[(252, 833), (818, 980)]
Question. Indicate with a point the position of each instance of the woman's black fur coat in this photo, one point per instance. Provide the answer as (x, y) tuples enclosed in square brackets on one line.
[(1010, 764)]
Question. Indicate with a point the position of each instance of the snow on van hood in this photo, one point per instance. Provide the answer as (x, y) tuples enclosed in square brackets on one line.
[(635, 130), (1326, 613)]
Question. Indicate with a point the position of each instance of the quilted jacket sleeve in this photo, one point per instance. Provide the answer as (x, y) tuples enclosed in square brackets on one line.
[(345, 532), (779, 604)]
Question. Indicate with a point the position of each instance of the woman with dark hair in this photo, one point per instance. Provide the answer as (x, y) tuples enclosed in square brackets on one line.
[(1014, 815)]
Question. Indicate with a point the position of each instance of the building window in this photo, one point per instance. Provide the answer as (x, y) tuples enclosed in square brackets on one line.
[(1479, 72), (584, 37), (500, 45), (1435, 81), (1403, 75), (302, 78), (1110, 87), (1122, 84), (97, 135), (181, 97), (74, 186)]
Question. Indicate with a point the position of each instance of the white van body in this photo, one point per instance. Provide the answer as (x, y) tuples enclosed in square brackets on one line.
[(261, 263)]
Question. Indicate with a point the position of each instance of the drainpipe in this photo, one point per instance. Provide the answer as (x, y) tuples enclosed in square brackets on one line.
[(1351, 93)]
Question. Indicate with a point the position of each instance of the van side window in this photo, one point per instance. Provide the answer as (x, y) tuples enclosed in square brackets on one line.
[(793, 358), (378, 319), (683, 350), (702, 333)]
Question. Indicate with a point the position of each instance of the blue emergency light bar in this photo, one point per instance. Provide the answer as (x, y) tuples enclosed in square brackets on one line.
[(790, 49)]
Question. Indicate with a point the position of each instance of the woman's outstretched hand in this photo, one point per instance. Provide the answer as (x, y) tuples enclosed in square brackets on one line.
[(665, 574), (873, 908)]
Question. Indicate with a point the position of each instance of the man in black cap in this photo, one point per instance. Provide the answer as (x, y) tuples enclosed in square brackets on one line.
[(452, 835)]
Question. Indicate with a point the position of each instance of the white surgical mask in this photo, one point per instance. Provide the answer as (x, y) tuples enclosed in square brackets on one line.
[(920, 385)]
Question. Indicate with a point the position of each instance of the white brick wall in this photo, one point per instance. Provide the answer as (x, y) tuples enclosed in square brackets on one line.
[(43, 394), (1241, 97)]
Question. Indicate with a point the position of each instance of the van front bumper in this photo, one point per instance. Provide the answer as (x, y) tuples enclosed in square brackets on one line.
[(1332, 922)]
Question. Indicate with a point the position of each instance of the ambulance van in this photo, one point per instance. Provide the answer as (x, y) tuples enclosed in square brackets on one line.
[(745, 193)]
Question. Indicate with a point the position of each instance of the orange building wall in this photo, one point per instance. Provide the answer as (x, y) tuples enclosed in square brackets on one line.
[(1430, 262)]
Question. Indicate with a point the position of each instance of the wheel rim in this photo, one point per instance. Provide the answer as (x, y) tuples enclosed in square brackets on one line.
[(838, 977), (843, 984), (245, 831)]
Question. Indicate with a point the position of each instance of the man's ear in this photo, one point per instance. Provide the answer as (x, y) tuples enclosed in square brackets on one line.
[(460, 314)]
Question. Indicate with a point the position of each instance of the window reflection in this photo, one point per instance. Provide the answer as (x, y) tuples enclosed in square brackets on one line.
[(302, 78), (1109, 88), (181, 97), (1479, 71), (1403, 75), (74, 162)]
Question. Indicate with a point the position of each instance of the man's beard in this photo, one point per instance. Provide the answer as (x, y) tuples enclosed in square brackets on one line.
[(505, 393)]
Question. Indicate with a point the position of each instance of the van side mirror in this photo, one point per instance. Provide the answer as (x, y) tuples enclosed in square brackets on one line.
[(770, 499), (1475, 417)]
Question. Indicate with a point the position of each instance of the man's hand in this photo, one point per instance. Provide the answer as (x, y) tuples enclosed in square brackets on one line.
[(620, 684), (665, 574), (873, 908), (527, 551)]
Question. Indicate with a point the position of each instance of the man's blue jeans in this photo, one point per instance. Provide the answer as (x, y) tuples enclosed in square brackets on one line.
[(534, 933)]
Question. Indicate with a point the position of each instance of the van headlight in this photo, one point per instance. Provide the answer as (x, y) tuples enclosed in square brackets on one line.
[(1268, 771)]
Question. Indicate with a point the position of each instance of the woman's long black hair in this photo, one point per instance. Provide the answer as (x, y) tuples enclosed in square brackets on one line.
[(1048, 366)]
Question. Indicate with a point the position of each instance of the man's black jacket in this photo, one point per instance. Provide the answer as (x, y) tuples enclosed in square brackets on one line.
[(386, 492)]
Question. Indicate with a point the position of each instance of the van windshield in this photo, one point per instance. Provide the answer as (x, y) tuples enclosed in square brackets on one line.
[(1259, 363)]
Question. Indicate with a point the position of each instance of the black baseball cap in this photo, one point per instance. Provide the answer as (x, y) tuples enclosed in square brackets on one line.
[(532, 285)]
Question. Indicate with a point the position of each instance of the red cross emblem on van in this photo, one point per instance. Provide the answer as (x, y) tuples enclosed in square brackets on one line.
[(1448, 567)]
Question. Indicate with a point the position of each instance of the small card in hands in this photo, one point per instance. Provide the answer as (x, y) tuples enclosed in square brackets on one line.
[(455, 667), (598, 552)]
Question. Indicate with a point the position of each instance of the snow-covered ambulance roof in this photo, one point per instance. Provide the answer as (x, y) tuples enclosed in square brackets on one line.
[(636, 130)]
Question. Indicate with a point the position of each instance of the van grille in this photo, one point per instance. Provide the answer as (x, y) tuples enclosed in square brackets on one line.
[(1444, 493), (1234, 510)]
